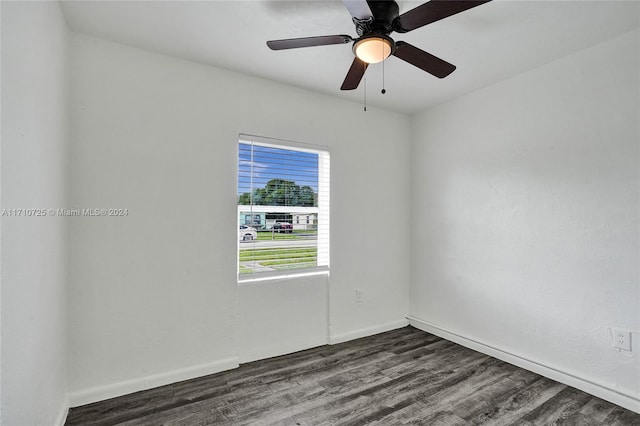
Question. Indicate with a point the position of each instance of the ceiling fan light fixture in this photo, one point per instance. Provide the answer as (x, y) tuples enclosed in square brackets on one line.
[(373, 49), (374, 21)]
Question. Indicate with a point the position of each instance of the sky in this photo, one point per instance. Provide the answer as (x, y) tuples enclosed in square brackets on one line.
[(270, 163)]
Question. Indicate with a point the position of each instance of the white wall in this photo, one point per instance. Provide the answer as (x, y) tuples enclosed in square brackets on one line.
[(34, 249), (282, 316), (153, 296), (526, 194)]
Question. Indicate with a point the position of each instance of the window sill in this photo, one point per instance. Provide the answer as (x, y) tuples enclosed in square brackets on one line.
[(279, 275)]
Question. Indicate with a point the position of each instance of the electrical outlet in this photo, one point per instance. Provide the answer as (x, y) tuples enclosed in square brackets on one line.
[(621, 339), (358, 296)]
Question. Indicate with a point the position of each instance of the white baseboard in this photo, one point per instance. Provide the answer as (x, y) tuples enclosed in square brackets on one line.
[(61, 418), (622, 399), (280, 350), (100, 393), (369, 331)]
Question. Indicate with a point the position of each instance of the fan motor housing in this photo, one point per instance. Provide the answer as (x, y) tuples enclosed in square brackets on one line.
[(384, 14)]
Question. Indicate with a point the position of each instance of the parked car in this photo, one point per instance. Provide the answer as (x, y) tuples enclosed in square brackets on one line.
[(247, 233), (285, 227)]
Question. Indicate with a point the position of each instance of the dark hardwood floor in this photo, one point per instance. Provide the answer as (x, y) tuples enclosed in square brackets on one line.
[(401, 377)]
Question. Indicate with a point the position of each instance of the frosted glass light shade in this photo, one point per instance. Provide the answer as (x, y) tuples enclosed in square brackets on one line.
[(372, 49)]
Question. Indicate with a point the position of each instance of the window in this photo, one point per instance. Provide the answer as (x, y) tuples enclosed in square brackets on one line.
[(278, 182)]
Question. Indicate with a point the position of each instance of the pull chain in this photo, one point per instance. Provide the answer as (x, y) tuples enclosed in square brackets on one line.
[(383, 91), (365, 93)]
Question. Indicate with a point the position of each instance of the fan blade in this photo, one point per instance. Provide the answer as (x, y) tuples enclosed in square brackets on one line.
[(423, 60), (433, 11), (358, 9), (293, 43), (355, 74)]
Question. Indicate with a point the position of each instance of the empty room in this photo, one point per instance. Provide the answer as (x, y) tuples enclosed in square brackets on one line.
[(276, 212)]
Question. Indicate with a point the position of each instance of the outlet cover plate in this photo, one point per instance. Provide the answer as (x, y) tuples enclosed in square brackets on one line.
[(621, 339)]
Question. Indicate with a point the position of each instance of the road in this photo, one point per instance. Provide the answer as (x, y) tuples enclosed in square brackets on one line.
[(278, 243)]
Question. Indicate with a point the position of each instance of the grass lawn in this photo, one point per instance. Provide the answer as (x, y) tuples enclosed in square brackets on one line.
[(245, 270), (279, 258)]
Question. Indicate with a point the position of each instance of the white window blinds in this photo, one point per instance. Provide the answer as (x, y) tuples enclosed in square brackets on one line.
[(283, 208)]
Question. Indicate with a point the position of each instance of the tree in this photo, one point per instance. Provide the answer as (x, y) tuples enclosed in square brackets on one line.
[(280, 192), (307, 196), (244, 199)]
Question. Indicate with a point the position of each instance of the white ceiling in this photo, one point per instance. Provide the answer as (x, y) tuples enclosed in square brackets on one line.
[(488, 43)]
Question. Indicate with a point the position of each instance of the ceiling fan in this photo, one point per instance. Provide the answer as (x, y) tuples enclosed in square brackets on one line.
[(374, 21)]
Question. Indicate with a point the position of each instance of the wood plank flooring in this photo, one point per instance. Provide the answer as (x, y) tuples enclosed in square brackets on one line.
[(403, 377)]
